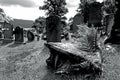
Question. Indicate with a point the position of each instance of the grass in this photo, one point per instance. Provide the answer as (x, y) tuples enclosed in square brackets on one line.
[(111, 63)]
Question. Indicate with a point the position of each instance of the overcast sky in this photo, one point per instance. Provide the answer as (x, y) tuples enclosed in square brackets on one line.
[(29, 9)]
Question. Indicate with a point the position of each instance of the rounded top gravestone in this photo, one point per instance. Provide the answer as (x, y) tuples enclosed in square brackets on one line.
[(30, 36)]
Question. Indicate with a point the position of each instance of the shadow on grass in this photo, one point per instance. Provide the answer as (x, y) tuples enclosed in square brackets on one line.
[(15, 45), (52, 76), (4, 43)]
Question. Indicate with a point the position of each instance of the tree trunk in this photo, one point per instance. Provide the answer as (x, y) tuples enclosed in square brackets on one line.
[(115, 33)]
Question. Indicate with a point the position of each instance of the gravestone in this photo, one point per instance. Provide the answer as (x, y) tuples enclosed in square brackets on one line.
[(0, 32), (19, 38), (93, 12), (30, 36), (8, 33), (53, 29), (77, 20)]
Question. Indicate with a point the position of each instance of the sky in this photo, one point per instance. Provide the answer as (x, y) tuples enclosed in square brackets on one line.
[(29, 9)]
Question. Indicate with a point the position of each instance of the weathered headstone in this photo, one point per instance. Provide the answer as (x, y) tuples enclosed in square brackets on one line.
[(19, 38), (30, 36), (0, 32), (77, 20), (53, 29), (8, 32)]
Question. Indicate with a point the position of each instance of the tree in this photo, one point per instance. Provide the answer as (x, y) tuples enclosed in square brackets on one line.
[(39, 24), (4, 17), (54, 7), (81, 5), (115, 32)]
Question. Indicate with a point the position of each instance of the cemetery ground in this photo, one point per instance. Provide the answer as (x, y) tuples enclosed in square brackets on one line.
[(28, 62)]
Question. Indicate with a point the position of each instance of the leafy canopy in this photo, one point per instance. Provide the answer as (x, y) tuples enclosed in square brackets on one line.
[(54, 7)]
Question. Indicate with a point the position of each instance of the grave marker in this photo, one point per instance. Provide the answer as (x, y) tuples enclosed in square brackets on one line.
[(19, 38), (8, 32)]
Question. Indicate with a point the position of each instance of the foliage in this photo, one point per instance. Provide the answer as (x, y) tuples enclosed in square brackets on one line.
[(1, 10), (81, 5), (41, 22), (4, 17), (87, 38), (54, 7), (70, 21), (63, 21)]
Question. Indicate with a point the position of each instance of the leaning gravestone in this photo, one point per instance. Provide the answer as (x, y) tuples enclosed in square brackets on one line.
[(53, 29), (30, 36), (19, 38)]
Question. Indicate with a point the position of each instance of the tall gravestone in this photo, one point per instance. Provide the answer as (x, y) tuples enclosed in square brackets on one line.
[(53, 29), (19, 38), (115, 33)]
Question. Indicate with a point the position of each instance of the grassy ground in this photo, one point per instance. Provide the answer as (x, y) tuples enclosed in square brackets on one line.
[(111, 63), (19, 62), (28, 62)]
